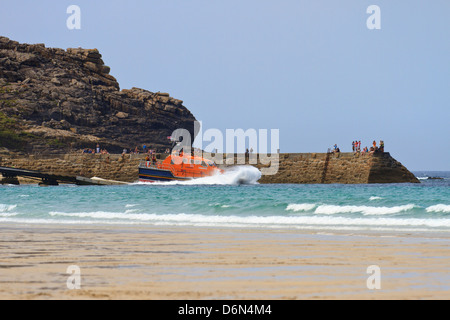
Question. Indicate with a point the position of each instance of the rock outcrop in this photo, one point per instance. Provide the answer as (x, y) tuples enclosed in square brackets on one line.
[(55, 100)]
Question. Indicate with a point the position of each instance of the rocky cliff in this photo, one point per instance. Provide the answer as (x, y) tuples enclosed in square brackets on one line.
[(55, 100)]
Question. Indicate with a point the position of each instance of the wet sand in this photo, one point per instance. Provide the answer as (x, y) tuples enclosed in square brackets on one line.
[(146, 262)]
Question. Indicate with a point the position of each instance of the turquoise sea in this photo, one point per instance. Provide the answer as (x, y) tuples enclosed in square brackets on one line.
[(235, 201)]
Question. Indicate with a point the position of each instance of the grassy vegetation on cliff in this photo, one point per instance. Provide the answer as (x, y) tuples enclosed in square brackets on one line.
[(11, 136)]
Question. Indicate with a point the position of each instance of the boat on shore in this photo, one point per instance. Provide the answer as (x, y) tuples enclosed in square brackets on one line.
[(180, 167)]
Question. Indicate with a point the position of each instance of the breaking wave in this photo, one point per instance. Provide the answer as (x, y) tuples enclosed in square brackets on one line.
[(182, 219), (7, 207), (439, 208), (335, 209), (302, 207), (366, 210), (105, 215), (5, 210)]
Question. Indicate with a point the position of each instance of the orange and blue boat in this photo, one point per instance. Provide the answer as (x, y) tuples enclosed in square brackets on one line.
[(177, 167)]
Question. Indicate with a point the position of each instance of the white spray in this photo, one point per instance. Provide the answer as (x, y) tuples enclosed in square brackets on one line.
[(232, 176)]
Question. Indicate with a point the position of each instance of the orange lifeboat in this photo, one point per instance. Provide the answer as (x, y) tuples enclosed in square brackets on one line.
[(177, 167)]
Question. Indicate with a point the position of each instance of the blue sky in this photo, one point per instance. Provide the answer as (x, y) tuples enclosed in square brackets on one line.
[(311, 69)]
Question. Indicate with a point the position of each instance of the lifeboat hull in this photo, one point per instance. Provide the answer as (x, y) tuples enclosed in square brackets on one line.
[(157, 175), (180, 168)]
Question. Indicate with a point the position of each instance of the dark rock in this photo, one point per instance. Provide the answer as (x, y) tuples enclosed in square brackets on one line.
[(47, 90)]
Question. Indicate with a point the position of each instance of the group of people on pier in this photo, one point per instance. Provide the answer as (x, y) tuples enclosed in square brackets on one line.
[(356, 145)]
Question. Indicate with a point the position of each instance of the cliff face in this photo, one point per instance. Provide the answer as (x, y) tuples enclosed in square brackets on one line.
[(56, 100)]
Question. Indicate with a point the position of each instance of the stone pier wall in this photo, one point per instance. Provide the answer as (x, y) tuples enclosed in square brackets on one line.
[(301, 168), (343, 168), (111, 167)]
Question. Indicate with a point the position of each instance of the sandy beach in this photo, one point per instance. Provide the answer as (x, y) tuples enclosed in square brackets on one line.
[(145, 262)]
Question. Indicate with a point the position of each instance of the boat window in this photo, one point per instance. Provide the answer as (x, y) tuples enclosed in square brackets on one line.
[(192, 161), (185, 160), (204, 164), (197, 162)]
